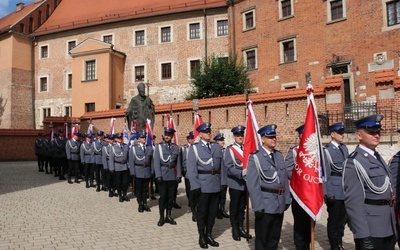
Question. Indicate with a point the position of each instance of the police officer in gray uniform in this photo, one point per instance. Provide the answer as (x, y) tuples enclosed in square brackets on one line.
[(220, 139), (97, 151), (268, 185), (119, 167), (109, 176), (335, 155), (204, 171), (367, 186), (72, 149), (87, 159), (140, 158), (167, 174), (233, 162)]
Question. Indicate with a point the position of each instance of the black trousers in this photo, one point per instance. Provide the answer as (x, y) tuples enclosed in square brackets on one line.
[(222, 195), (122, 180), (141, 187), (386, 243), (302, 225), (207, 211), (89, 171), (110, 182), (62, 165), (237, 206), (40, 161), (192, 202), (73, 166), (98, 169), (337, 218), (268, 231), (167, 191)]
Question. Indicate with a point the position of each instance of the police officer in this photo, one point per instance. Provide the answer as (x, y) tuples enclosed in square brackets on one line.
[(61, 159), (268, 185), (394, 166), (301, 220), (87, 160), (39, 151), (233, 162), (368, 195), (204, 171), (118, 166), (335, 155), (220, 139), (97, 148), (48, 154), (140, 158), (167, 175), (109, 176), (72, 149)]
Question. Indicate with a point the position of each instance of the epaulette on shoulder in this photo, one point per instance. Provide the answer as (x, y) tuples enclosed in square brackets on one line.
[(353, 155), (278, 151), (327, 145), (397, 154), (196, 143), (255, 152)]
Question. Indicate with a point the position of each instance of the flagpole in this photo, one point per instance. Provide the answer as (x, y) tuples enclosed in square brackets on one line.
[(246, 92)]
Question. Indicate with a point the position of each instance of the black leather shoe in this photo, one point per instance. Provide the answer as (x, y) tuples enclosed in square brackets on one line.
[(92, 185), (224, 214), (77, 181), (235, 233), (121, 199), (152, 197), (140, 209), (194, 218), (211, 241), (175, 205), (70, 182), (242, 233), (126, 198), (98, 189), (203, 243), (219, 215), (146, 208), (87, 185), (110, 194), (161, 221)]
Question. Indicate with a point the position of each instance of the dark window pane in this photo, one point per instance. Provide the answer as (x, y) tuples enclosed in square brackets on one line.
[(91, 70), (337, 9), (139, 73), (166, 34), (249, 20), (139, 37), (222, 27), (194, 29), (166, 71), (288, 51), (286, 8)]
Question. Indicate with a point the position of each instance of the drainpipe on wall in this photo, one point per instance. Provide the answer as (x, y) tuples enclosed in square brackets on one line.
[(205, 35), (33, 81), (233, 28)]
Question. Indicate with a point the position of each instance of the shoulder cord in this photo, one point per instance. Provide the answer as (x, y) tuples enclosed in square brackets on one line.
[(210, 161), (107, 153), (161, 154), (334, 167), (58, 145), (94, 146), (364, 178), (122, 153), (84, 148), (235, 163), (134, 153), (73, 147), (264, 178), (38, 142)]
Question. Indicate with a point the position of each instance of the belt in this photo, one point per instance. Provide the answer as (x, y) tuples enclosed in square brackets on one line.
[(75, 153), (212, 172), (142, 165), (168, 166), (336, 174), (120, 162), (273, 190), (382, 202)]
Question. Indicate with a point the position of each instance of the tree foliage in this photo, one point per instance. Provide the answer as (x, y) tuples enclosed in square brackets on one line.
[(219, 77)]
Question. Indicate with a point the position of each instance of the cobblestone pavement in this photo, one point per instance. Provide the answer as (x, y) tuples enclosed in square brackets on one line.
[(40, 212)]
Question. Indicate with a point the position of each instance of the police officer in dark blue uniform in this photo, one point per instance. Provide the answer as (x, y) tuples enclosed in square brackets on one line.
[(335, 155), (367, 186), (204, 170), (39, 151)]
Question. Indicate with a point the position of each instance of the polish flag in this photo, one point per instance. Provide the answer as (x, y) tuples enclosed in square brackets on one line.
[(112, 126), (251, 138), (171, 124), (308, 174), (74, 129), (149, 132), (197, 122)]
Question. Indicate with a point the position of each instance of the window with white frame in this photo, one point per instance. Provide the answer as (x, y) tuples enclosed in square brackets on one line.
[(166, 71), (194, 31), (222, 27), (287, 50), (336, 10), (250, 56), (46, 112), (139, 73), (166, 34), (43, 83), (290, 85), (393, 12), (90, 107), (285, 8), (44, 51), (90, 70), (68, 111), (108, 38), (249, 19), (70, 45), (69, 81), (194, 67), (140, 37)]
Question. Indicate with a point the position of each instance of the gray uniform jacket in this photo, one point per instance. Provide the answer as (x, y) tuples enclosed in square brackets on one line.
[(394, 166), (334, 158), (234, 168), (72, 148), (205, 160), (290, 159), (272, 203), (140, 161), (105, 156), (364, 219), (97, 151), (119, 157), (86, 152), (182, 160), (166, 161), (39, 146)]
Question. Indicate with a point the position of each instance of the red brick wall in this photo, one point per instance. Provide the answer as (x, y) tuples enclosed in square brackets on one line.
[(18, 145)]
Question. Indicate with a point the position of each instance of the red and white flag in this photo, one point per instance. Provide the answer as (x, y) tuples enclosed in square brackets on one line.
[(149, 133), (125, 137), (251, 138), (112, 126), (306, 181), (171, 124), (66, 135), (74, 129), (51, 133), (197, 122)]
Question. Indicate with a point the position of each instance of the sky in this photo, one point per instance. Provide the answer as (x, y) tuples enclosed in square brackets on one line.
[(7, 6)]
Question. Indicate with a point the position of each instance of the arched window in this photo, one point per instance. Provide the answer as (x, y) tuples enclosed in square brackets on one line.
[(30, 29), (47, 11), (39, 18), (21, 28)]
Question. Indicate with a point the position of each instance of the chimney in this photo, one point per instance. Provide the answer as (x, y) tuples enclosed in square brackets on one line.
[(20, 6)]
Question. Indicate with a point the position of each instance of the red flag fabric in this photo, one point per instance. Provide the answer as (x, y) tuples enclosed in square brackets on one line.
[(149, 132), (171, 124), (251, 137), (112, 126), (197, 122), (74, 129), (306, 181)]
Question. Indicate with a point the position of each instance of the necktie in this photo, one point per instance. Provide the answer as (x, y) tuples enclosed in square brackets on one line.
[(272, 157), (241, 147), (341, 150), (208, 145), (378, 157)]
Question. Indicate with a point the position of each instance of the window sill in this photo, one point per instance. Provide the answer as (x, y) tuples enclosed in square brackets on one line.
[(336, 20), (392, 27), (285, 18), (139, 45), (248, 29), (285, 63), (253, 69), (94, 80)]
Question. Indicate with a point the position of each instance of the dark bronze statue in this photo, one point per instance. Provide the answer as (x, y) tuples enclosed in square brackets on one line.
[(140, 109)]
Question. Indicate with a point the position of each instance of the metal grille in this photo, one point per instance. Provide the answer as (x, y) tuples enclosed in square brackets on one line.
[(338, 70)]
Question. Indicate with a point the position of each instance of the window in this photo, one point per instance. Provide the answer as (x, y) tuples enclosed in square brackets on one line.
[(47, 11), (30, 27), (68, 111), (249, 19), (393, 12), (90, 67), (69, 81), (336, 10), (90, 107), (46, 112), (287, 50), (194, 31), (139, 73), (70, 45), (222, 27), (43, 84), (39, 18), (166, 34), (285, 8), (21, 27), (290, 85), (250, 56), (194, 67), (108, 39), (166, 71), (44, 51), (139, 37)]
